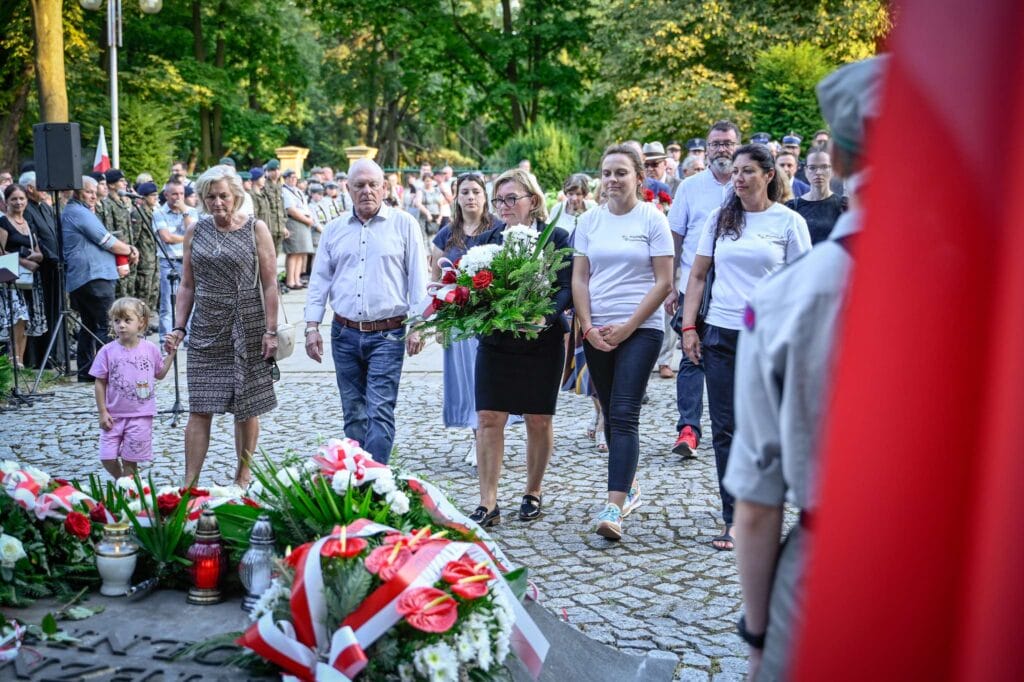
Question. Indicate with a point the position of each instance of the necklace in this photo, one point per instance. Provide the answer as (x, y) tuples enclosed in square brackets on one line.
[(222, 237), (18, 222)]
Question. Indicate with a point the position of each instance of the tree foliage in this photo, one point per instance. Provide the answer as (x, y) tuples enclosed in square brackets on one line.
[(416, 77), (782, 97), (552, 152)]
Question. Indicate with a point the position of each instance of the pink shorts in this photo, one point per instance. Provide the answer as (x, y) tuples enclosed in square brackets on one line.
[(131, 439)]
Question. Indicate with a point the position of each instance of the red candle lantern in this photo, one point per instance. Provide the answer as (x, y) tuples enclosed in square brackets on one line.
[(209, 561)]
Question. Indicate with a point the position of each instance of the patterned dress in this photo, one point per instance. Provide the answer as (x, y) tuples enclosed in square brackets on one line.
[(226, 370)]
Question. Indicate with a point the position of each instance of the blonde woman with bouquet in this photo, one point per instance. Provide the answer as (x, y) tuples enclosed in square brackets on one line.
[(622, 272), (517, 375)]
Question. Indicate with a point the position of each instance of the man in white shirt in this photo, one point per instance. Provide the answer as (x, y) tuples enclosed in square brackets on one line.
[(170, 222), (371, 269), (696, 197)]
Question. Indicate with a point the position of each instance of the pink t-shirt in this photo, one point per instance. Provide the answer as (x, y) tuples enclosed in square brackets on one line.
[(131, 377)]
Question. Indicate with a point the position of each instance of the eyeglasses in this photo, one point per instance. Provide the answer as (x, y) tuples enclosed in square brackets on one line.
[(726, 144), (653, 164), (507, 201), (819, 169)]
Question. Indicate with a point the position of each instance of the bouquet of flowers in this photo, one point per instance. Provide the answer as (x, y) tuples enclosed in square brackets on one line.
[(369, 600), (661, 199), (495, 288)]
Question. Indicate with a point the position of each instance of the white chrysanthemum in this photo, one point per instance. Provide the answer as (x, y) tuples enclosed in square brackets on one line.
[(520, 233), (465, 647), (226, 491), (9, 466), (288, 476), (502, 646), (478, 258), (384, 484), (11, 550), (437, 662), (398, 501), (406, 673), (484, 656), (341, 481), (268, 600)]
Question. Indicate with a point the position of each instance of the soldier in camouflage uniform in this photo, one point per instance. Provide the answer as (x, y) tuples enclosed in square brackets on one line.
[(147, 272), (261, 207), (115, 213), (272, 189)]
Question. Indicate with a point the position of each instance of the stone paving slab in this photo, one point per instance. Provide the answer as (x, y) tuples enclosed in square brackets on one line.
[(662, 588)]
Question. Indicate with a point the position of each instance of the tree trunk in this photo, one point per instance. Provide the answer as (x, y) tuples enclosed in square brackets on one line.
[(511, 67), (11, 122), (216, 132), (199, 51), (48, 25)]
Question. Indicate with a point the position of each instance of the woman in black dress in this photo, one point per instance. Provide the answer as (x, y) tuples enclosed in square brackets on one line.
[(28, 301), (516, 375), (820, 206)]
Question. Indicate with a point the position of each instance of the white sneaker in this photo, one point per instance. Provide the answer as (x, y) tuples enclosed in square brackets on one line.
[(609, 522), (471, 455)]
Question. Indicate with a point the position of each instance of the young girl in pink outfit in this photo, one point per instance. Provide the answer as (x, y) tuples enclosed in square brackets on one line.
[(126, 371)]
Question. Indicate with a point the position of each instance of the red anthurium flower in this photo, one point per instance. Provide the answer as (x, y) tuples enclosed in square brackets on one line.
[(422, 536), (61, 481), (393, 538), (167, 503), (428, 609), (387, 560), (468, 580), (78, 525), (483, 279), (342, 547)]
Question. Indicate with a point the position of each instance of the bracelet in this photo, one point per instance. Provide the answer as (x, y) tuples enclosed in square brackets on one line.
[(180, 329), (270, 332), (755, 641), (589, 329), (691, 328)]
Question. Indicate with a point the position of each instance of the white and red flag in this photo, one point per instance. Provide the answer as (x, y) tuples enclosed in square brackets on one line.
[(101, 163)]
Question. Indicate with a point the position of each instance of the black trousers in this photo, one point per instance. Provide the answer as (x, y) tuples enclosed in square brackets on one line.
[(92, 302), (51, 304), (718, 348)]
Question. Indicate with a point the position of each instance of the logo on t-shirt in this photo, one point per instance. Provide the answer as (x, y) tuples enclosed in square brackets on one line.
[(637, 238)]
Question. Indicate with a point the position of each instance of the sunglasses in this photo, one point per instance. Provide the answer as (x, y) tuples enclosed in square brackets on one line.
[(275, 371)]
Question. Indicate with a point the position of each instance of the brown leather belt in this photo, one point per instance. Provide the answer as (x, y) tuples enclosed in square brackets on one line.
[(372, 325)]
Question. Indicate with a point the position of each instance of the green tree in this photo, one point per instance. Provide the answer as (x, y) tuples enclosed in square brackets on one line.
[(552, 152), (782, 97)]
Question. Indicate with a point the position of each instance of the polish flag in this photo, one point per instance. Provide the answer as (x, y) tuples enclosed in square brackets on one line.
[(917, 564), (102, 161)]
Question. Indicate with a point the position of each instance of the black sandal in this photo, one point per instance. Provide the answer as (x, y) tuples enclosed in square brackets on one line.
[(484, 518), (530, 508)]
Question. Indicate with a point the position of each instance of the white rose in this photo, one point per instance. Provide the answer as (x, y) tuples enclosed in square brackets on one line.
[(341, 481), (384, 484), (11, 550), (398, 501), (126, 483)]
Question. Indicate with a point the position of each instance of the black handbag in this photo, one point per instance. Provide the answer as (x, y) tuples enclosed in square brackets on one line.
[(705, 301)]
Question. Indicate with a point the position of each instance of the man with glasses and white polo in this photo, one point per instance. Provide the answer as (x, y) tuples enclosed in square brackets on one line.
[(696, 197)]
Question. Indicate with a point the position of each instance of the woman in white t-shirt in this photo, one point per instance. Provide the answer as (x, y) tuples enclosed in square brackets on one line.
[(751, 236), (622, 271)]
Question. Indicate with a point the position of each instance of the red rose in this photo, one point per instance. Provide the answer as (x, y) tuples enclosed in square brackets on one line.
[(78, 525), (648, 194), (483, 279), (664, 198), (98, 513), (449, 277), (167, 503), (461, 295)]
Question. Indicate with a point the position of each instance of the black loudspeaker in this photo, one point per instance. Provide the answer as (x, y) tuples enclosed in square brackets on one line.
[(58, 156)]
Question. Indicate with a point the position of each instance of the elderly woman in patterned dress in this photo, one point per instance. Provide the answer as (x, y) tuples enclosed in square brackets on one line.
[(228, 301)]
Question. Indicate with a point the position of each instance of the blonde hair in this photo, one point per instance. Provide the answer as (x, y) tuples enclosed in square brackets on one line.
[(518, 175), (216, 174), (128, 306)]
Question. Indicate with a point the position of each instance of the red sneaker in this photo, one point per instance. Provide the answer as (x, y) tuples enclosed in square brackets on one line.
[(686, 444)]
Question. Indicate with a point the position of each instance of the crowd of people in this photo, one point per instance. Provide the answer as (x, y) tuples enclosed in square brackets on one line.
[(667, 251)]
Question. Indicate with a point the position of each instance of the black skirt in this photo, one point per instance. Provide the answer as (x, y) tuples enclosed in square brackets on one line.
[(520, 376)]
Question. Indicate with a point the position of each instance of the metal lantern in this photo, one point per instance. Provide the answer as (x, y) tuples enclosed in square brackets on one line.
[(91, 5), (151, 6), (257, 565), (209, 561), (116, 554)]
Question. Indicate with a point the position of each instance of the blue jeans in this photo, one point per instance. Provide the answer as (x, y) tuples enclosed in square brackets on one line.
[(368, 367), (718, 349), (689, 391), (165, 295), (620, 379)]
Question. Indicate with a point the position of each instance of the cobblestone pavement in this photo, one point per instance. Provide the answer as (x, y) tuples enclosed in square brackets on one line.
[(663, 587)]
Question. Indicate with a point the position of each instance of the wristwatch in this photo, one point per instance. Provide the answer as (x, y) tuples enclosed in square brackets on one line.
[(310, 329), (755, 641)]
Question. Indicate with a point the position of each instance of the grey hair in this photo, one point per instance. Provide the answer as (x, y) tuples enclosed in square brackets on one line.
[(27, 178), (370, 164), (89, 182), (216, 174), (689, 162)]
